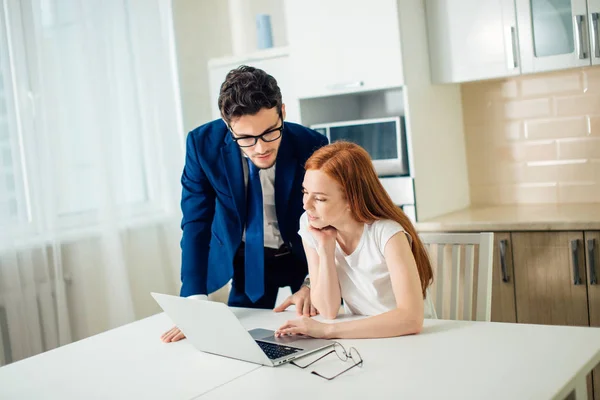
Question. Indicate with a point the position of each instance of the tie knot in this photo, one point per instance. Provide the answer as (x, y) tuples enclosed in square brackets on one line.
[(252, 169)]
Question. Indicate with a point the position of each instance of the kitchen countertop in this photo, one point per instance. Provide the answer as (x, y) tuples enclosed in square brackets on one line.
[(542, 217)]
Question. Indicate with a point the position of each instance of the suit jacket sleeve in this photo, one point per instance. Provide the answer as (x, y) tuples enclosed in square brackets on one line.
[(198, 208)]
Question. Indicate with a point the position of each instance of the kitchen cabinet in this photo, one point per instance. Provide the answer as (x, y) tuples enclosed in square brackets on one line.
[(553, 35), (550, 278), (552, 282), (592, 257), (472, 39), (343, 46), (274, 61), (503, 280), (594, 28)]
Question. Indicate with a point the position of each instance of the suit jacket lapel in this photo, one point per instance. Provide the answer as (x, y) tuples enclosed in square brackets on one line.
[(285, 172), (230, 154)]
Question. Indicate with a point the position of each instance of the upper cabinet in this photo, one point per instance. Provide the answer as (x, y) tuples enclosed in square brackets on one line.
[(594, 21), (472, 39), (553, 34), (342, 46)]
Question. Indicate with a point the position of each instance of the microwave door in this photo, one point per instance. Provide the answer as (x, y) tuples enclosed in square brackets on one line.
[(382, 139)]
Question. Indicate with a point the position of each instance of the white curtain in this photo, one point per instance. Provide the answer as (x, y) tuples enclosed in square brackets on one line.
[(91, 151)]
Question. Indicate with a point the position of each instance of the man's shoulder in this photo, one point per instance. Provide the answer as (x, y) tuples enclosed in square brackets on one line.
[(213, 132)]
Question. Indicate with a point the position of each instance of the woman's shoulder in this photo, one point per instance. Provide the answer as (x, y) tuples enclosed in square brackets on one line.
[(385, 224), (383, 229)]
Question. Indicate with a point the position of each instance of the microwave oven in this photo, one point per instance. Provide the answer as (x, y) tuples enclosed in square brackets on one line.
[(383, 138)]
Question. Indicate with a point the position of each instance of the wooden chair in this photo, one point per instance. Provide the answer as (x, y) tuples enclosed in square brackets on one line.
[(464, 282)]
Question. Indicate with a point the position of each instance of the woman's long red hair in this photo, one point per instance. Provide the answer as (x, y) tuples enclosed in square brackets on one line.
[(351, 167)]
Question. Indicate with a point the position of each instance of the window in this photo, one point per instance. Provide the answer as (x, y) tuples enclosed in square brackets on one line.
[(75, 140), (12, 197)]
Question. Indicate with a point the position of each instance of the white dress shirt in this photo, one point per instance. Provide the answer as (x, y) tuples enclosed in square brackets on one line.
[(271, 226)]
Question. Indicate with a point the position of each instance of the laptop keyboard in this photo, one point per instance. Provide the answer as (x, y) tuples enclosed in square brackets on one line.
[(274, 351)]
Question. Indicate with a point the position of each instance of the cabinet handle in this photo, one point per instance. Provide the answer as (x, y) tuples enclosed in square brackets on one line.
[(346, 85), (580, 37), (503, 244), (575, 257), (591, 244), (596, 34), (511, 47)]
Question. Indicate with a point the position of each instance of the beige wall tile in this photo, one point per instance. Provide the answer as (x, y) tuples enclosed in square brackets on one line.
[(529, 151), (492, 90), (556, 128), (595, 125), (534, 85), (534, 139), (492, 173), (579, 192), (571, 172), (577, 105), (533, 108), (591, 79), (579, 148), (514, 194), (530, 194), (485, 194)]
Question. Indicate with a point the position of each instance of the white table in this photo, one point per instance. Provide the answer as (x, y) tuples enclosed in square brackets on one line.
[(129, 362), (449, 359)]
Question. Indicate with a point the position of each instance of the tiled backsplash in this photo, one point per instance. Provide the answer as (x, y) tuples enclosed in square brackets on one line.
[(534, 138)]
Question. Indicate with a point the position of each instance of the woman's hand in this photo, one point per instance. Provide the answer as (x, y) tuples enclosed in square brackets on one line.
[(325, 238), (304, 326)]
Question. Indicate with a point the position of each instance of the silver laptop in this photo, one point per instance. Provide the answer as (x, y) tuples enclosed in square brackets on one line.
[(213, 328)]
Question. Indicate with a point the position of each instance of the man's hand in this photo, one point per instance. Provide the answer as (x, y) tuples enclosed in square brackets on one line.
[(172, 335), (302, 301)]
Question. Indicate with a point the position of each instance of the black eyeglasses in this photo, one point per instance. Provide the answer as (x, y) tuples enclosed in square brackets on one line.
[(342, 354), (269, 136)]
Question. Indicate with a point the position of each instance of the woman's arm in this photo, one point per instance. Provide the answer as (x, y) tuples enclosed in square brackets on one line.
[(406, 319), (324, 283)]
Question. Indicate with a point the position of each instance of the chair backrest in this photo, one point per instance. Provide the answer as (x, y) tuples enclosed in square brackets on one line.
[(469, 284)]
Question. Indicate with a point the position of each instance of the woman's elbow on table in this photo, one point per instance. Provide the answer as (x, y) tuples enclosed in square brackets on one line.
[(329, 314), (413, 326), (410, 324)]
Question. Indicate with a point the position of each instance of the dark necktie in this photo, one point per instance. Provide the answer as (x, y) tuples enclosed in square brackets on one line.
[(254, 253)]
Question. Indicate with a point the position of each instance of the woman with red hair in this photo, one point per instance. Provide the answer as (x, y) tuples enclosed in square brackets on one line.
[(360, 248)]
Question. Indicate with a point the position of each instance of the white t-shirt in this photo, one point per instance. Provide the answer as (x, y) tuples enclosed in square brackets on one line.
[(364, 276)]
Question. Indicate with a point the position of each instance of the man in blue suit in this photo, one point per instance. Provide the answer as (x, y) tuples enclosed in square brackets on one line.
[(242, 199)]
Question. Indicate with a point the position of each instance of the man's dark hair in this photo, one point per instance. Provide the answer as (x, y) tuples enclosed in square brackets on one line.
[(246, 91)]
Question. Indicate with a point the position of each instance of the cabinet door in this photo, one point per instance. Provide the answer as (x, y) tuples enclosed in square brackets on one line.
[(592, 256), (550, 278), (342, 46), (594, 28), (503, 281), (553, 35), (472, 39)]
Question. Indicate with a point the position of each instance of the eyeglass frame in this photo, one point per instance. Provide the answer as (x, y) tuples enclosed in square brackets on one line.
[(348, 356), (261, 136)]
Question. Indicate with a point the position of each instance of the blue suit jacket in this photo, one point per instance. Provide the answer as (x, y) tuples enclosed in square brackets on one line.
[(213, 201)]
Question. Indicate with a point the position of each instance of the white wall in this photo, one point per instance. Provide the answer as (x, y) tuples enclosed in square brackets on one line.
[(201, 32)]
